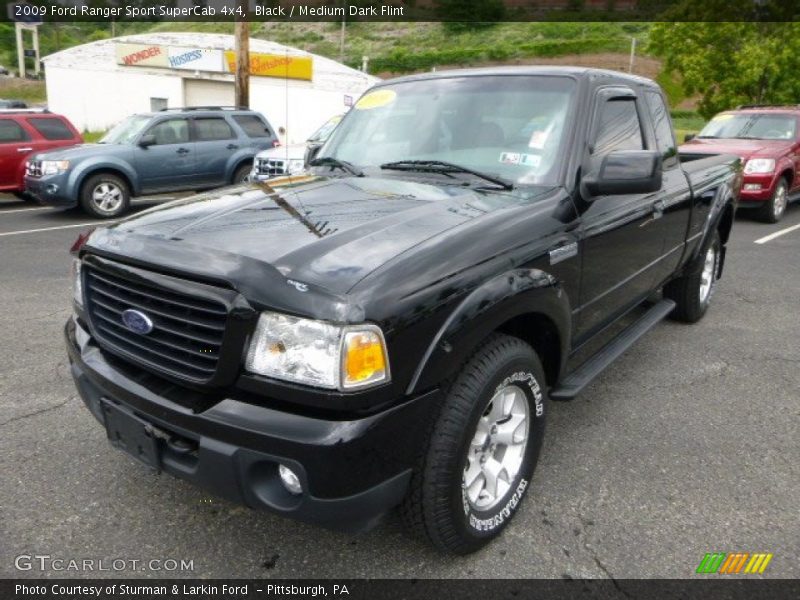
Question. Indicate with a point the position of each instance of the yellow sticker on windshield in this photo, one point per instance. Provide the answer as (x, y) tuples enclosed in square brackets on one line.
[(722, 117), (376, 99)]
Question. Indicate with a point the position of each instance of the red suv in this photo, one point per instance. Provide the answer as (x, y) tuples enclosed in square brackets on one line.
[(768, 140), (25, 132)]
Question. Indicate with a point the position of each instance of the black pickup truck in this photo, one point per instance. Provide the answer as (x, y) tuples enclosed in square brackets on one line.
[(388, 329)]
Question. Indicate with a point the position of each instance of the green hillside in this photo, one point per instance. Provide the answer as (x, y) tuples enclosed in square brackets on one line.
[(391, 47)]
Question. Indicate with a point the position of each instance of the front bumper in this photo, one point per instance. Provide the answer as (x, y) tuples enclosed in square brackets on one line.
[(761, 188), (51, 190), (352, 471)]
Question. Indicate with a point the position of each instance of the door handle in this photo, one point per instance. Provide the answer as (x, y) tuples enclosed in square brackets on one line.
[(658, 208), (24, 149), (182, 151), (231, 146)]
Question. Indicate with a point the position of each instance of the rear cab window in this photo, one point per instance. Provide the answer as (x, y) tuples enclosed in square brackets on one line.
[(51, 128), (253, 125), (662, 128)]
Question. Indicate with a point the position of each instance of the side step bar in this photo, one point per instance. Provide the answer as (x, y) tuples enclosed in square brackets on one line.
[(574, 383)]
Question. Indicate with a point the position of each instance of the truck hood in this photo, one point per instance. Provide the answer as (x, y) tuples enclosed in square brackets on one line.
[(743, 148), (324, 233)]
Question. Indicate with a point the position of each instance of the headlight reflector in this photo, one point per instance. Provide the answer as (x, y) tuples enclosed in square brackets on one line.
[(54, 167), (77, 285), (317, 353), (759, 165)]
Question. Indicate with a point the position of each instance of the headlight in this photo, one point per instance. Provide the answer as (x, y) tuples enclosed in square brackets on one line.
[(759, 165), (77, 284), (54, 167), (318, 353)]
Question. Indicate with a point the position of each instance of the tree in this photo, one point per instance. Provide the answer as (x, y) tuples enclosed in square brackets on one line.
[(732, 63)]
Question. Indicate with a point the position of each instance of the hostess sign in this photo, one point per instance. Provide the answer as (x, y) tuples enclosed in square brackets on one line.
[(217, 61), (199, 59)]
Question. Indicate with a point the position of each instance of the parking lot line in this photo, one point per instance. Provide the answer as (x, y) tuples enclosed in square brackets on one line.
[(779, 233), (18, 210), (7, 233)]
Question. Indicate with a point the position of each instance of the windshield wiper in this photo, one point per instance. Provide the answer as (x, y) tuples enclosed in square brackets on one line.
[(441, 166), (329, 161)]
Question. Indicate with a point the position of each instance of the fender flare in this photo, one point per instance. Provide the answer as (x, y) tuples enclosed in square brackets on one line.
[(495, 302), (723, 199), (79, 175)]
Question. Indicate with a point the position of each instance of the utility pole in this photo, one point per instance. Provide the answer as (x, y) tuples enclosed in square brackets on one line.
[(633, 55), (242, 34)]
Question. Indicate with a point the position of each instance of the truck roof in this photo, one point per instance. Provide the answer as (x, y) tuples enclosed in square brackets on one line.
[(569, 71)]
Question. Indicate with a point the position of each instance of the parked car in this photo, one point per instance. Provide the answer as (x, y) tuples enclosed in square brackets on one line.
[(767, 138), (168, 151), (291, 159), (390, 330), (7, 103), (26, 132)]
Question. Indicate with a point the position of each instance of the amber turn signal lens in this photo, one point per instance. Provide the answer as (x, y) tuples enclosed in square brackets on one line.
[(364, 359)]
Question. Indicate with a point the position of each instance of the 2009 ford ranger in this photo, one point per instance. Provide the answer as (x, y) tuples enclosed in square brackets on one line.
[(388, 329)]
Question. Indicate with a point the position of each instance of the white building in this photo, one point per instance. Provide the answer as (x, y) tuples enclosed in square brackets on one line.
[(98, 84)]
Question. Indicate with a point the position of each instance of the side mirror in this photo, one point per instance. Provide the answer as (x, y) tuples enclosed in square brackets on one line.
[(689, 137), (625, 172), (312, 149), (147, 140)]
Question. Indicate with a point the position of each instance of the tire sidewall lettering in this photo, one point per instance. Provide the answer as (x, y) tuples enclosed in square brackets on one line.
[(498, 516)]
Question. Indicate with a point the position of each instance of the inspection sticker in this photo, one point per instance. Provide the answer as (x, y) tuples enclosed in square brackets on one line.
[(376, 99), (510, 158)]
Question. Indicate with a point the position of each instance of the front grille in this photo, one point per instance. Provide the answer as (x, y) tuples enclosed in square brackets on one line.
[(187, 333), (271, 166), (34, 168)]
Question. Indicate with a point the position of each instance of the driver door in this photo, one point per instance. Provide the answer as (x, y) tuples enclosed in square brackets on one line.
[(620, 245)]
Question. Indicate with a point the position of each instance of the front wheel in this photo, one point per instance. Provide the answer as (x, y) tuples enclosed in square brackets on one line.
[(482, 450), (105, 196), (241, 174), (774, 209)]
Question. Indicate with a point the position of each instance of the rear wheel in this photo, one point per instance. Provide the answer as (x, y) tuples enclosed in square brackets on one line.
[(693, 291), (105, 196), (774, 209), (482, 450)]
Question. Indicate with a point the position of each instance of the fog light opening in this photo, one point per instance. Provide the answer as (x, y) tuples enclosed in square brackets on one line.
[(290, 480)]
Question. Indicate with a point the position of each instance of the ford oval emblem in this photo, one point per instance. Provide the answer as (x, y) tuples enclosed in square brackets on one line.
[(137, 321)]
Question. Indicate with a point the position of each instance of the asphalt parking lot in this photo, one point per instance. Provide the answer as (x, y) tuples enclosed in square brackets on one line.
[(689, 444)]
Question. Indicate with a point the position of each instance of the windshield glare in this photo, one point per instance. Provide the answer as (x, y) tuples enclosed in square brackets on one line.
[(508, 126), (751, 126), (125, 131)]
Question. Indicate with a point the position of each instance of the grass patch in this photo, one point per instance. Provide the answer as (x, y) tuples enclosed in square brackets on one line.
[(32, 92), (90, 137), (686, 121)]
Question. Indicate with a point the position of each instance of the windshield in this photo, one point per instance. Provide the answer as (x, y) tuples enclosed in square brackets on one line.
[(125, 131), (757, 126), (507, 126)]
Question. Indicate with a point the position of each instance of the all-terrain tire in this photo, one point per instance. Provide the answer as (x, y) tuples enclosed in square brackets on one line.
[(692, 292), (438, 506)]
